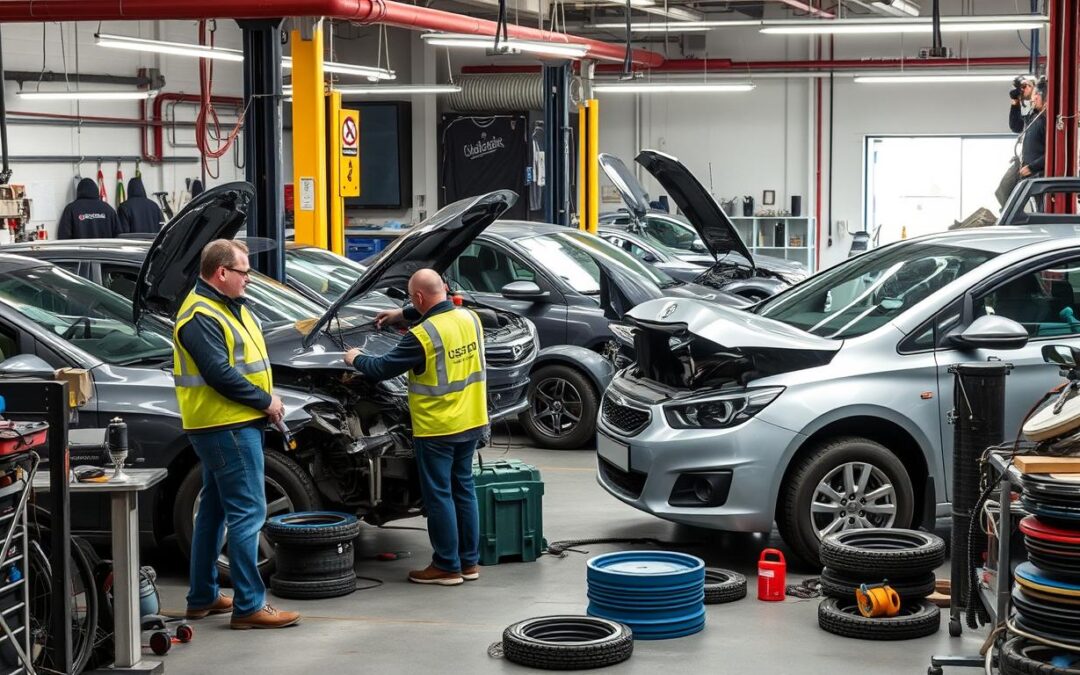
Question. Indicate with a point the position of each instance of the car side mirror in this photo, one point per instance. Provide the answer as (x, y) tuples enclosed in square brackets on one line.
[(698, 246), (991, 332), (649, 258), (27, 365), (523, 290), (1062, 355)]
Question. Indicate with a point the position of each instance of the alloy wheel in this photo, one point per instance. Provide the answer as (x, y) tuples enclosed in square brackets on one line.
[(556, 406), (853, 496)]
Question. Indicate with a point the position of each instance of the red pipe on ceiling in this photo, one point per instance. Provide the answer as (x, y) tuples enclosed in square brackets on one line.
[(386, 12)]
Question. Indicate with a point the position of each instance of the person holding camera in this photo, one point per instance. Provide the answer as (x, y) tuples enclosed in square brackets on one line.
[(1033, 140), (1021, 115)]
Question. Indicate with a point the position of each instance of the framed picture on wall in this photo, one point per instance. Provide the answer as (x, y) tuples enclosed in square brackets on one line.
[(768, 198)]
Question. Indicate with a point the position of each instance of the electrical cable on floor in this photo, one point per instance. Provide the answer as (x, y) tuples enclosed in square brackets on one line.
[(495, 650), (559, 548), (375, 583), (402, 527), (807, 589)]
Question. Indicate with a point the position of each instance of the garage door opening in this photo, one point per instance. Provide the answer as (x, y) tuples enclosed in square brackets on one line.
[(918, 185)]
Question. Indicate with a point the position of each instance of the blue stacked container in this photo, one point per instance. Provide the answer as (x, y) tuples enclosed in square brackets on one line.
[(658, 594)]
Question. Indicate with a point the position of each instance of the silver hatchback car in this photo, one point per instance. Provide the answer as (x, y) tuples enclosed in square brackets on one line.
[(825, 407)]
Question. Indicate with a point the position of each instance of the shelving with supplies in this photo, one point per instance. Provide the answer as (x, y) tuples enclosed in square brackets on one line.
[(788, 237)]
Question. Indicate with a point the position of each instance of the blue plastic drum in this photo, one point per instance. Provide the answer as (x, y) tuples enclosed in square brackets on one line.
[(659, 594)]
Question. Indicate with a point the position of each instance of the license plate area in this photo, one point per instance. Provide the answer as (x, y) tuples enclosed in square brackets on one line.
[(614, 452)]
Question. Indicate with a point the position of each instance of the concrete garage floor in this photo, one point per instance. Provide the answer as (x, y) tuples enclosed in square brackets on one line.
[(406, 628)]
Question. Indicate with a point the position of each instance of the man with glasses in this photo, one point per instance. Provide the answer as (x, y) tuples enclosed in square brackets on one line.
[(224, 387), (444, 356)]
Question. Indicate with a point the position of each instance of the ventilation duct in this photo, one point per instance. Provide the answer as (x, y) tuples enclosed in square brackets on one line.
[(498, 93)]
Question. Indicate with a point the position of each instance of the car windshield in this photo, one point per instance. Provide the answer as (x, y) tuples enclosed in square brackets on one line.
[(573, 255), (325, 273), (861, 294), (673, 232), (275, 304), (88, 316)]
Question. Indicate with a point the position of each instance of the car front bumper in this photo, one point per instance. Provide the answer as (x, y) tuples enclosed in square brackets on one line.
[(659, 455)]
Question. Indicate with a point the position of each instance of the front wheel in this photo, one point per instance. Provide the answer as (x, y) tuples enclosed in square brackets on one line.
[(843, 484), (562, 408), (288, 489)]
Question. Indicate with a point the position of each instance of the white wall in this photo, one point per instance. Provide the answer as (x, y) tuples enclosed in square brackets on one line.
[(51, 185)]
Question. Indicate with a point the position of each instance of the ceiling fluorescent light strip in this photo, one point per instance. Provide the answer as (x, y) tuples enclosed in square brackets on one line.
[(896, 7), (932, 78), (564, 49), (369, 72), (952, 24), (84, 95), (378, 89), (164, 47), (678, 26), (672, 87)]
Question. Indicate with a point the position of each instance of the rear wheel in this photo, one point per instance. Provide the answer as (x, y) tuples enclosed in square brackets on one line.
[(843, 484), (288, 489), (562, 408)]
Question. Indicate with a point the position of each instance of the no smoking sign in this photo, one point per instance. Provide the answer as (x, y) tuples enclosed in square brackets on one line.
[(350, 138)]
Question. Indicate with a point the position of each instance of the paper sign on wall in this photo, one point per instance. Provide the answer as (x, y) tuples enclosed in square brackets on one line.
[(307, 194)]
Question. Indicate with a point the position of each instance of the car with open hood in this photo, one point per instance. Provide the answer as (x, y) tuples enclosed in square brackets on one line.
[(825, 408), (713, 241), (353, 451)]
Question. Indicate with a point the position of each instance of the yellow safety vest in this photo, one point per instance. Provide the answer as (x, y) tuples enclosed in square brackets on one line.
[(450, 396), (201, 406)]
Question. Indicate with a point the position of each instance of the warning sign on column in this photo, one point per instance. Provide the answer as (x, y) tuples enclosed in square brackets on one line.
[(349, 159), (307, 194)]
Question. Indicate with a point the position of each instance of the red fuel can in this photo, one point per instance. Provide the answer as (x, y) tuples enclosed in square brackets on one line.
[(771, 576)]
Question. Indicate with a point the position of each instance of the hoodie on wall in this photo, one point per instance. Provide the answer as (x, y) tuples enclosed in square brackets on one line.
[(482, 154), (139, 213), (88, 217)]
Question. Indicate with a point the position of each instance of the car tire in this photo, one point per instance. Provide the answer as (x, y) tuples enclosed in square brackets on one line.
[(916, 619), (542, 421), (842, 586), (289, 488), (723, 586), (567, 642), (313, 545), (1020, 656), (313, 589), (794, 518), (883, 552)]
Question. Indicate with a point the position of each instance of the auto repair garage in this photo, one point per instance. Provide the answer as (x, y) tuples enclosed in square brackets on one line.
[(490, 336)]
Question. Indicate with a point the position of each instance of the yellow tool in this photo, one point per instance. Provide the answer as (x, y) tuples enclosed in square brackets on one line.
[(877, 600)]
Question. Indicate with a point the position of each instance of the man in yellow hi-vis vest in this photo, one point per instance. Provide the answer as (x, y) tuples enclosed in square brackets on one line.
[(224, 387), (444, 356)]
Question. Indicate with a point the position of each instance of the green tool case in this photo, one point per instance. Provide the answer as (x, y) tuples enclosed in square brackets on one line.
[(510, 495)]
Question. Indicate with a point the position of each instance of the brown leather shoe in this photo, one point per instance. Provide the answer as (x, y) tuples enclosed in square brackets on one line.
[(434, 575), (267, 617), (223, 605), (470, 573)]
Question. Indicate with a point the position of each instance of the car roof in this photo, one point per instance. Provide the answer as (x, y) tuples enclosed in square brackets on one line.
[(120, 245), (997, 239), (9, 262)]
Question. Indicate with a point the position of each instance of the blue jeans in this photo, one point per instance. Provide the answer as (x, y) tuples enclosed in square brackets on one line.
[(446, 484), (233, 494)]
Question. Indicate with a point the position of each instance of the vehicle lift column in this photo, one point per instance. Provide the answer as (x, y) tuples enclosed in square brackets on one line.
[(1061, 103), (588, 153), (262, 140), (557, 143)]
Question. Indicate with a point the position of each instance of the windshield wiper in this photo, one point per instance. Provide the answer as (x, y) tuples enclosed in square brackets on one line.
[(671, 283)]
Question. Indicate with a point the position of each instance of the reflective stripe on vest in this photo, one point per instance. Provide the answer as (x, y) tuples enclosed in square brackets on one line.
[(450, 395), (200, 405)]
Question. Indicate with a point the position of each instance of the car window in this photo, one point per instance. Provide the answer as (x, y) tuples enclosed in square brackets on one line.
[(574, 255), (89, 316), (1043, 301), (863, 293), (670, 234), (486, 269), (119, 279), (324, 272)]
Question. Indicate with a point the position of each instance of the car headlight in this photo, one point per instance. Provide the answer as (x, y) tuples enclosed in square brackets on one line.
[(623, 333), (719, 412)]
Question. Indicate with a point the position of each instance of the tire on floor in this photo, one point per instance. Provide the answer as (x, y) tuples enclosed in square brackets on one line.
[(567, 642), (841, 617), (842, 586), (883, 551), (723, 586)]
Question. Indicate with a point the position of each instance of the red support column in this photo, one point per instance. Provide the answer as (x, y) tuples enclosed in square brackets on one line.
[(1061, 102)]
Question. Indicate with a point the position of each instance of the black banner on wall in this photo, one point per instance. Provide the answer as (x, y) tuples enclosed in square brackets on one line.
[(481, 154)]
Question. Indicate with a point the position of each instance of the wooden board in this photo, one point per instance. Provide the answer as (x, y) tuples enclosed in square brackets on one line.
[(1040, 464)]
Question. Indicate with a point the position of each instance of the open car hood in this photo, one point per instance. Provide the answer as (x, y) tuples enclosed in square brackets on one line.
[(434, 243), (631, 191), (700, 208), (696, 344), (172, 264)]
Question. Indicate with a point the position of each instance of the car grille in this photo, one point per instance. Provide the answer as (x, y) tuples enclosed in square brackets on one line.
[(630, 483), (508, 355), (623, 417)]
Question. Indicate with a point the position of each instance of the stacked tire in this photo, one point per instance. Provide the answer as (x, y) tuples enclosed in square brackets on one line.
[(906, 559), (314, 553)]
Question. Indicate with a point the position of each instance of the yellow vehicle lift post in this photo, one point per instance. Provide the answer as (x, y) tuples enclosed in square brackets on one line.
[(343, 139), (589, 165), (309, 136)]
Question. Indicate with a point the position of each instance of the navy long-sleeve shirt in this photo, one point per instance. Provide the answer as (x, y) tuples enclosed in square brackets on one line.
[(204, 339), (409, 355), (1034, 146), (1018, 120)]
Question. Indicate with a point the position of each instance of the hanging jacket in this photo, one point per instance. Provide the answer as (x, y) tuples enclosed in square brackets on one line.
[(139, 213), (1033, 145), (88, 217)]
